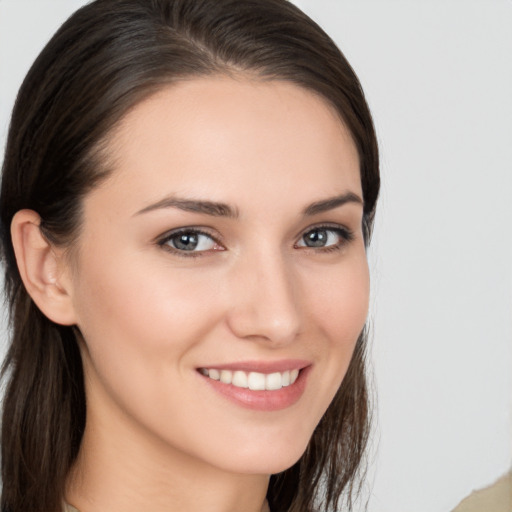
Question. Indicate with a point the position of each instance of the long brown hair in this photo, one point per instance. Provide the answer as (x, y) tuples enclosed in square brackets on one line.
[(104, 60)]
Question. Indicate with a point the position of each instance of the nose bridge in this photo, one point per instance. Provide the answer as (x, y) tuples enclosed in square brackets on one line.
[(265, 303)]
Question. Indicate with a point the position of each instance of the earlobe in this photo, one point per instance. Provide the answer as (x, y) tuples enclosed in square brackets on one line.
[(41, 267)]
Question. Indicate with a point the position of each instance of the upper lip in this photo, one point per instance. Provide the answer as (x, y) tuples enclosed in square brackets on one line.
[(282, 365)]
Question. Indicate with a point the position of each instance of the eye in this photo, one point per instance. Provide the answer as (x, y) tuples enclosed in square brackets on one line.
[(189, 241), (325, 237)]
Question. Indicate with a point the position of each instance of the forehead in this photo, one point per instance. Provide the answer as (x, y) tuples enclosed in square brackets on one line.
[(233, 140)]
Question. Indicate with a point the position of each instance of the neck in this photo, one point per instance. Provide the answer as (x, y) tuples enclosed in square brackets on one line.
[(120, 468)]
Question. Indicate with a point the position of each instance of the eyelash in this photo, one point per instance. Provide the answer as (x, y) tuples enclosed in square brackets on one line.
[(345, 235), (163, 242)]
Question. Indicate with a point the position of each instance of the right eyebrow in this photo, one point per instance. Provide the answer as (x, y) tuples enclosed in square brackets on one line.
[(212, 208), (332, 202)]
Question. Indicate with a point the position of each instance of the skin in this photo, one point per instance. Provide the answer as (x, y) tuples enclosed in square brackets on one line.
[(157, 436)]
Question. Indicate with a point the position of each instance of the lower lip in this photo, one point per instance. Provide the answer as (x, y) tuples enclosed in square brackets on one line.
[(262, 400)]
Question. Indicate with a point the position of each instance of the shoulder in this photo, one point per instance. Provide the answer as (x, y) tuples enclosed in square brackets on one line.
[(497, 497)]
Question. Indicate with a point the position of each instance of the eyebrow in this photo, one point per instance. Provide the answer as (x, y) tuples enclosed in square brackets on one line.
[(332, 203), (216, 209), (212, 208)]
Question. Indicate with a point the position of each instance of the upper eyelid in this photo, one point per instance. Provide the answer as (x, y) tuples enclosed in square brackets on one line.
[(326, 225), (217, 238), (342, 231)]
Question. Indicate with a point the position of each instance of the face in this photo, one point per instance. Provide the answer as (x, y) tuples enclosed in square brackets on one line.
[(220, 279)]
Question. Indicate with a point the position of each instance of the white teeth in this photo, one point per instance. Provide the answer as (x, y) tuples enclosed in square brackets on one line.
[(273, 381), (240, 380), (214, 374), (226, 376), (255, 381)]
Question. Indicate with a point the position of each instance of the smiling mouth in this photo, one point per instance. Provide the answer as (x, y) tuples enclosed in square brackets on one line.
[(254, 381)]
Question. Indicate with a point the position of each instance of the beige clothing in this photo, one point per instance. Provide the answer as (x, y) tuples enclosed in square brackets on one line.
[(496, 498)]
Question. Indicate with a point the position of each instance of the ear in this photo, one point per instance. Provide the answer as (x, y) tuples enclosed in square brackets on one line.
[(43, 268)]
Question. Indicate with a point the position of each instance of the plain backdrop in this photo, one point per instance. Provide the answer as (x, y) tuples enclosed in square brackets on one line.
[(438, 77)]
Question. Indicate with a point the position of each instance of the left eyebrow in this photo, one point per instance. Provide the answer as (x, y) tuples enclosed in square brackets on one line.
[(331, 203), (212, 208)]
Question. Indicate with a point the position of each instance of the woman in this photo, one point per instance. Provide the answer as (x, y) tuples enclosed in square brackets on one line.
[(188, 191)]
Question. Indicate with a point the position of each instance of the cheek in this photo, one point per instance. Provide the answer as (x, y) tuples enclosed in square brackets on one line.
[(141, 329), (141, 323), (146, 302), (338, 309), (340, 302)]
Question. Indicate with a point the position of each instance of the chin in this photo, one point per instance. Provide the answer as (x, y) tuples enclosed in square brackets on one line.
[(269, 459)]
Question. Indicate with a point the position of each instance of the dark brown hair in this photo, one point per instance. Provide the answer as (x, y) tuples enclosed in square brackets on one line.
[(104, 60)]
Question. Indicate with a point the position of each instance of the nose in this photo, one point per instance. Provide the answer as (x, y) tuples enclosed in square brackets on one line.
[(264, 301)]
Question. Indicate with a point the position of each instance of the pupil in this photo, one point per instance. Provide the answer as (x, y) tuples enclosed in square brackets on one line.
[(186, 241), (316, 238)]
